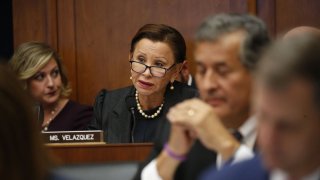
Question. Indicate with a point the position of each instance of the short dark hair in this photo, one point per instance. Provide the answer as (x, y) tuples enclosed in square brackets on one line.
[(162, 33), (295, 57), (256, 34)]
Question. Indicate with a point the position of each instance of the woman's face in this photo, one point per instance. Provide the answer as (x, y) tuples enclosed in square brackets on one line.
[(159, 55), (45, 85)]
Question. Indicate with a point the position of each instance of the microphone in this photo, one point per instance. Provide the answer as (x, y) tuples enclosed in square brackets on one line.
[(131, 105)]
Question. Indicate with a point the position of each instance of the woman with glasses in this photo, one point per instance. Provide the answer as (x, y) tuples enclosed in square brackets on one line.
[(40, 69), (132, 114)]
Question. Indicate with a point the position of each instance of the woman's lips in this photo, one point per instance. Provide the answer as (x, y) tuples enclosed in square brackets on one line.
[(52, 93), (144, 84)]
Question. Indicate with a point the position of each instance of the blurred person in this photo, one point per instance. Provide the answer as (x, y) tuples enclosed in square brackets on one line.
[(132, 114), (288, 110), (42, 72), (227, 47), (300, 30), (22, 154)]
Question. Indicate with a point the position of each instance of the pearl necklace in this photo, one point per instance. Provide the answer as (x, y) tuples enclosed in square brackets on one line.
[(46, 125), (144, 114)]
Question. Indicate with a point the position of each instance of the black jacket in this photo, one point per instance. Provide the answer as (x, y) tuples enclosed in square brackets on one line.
[(113, 116)]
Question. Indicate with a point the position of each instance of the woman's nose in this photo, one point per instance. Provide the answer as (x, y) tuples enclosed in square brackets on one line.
[(50, 81)]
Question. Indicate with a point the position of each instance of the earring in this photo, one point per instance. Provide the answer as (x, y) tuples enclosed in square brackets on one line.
[(131, 77), (171, 87)]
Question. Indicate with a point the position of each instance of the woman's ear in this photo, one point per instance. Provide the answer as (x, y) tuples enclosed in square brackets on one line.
[(184, 65), (179, 67)]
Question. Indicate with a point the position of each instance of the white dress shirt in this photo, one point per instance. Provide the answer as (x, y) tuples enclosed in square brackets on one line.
[(244, 152), (189, 80)]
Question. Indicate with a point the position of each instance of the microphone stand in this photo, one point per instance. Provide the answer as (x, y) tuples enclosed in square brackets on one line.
[(133, 124)]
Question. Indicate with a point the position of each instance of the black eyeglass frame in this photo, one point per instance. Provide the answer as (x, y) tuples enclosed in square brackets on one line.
[(149, 67)]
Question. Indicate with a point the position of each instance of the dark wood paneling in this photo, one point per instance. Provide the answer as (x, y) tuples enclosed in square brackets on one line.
[(29, 21), (290, 14), (252, 7), (266, 11), (281, 16), (66, 41), (51, 23), (104, 29), (99, 153)]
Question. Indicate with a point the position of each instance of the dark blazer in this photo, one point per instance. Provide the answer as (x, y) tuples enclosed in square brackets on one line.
[(112, 114), (248, 170)]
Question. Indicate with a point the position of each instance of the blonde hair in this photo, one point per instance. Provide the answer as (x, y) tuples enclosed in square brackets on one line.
[(30, 57)]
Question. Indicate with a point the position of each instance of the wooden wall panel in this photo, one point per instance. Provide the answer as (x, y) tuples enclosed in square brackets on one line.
[(66, 41), (51, 23), (25, 29), (104, 29), (266, 11), (281, 16), (34, 20), (290, 14)]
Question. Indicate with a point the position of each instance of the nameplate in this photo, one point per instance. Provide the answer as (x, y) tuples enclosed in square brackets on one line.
[(73, 136)]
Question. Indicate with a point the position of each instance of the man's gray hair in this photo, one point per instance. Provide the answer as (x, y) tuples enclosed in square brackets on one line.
[(256, 34)]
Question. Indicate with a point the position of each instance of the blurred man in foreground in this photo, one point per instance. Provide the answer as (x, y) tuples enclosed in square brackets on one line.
[(288, 109)]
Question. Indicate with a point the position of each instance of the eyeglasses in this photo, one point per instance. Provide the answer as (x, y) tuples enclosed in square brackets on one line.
[(154, 70)]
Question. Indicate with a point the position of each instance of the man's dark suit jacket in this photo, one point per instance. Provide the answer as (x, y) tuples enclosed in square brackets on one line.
[(113, 116), (248, 170)]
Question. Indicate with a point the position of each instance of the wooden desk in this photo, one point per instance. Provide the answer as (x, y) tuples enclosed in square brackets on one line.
[(99, 153)]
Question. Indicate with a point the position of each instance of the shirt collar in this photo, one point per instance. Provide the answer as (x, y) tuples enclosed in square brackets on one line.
[(248, 127), (189, 80), (248, 131)]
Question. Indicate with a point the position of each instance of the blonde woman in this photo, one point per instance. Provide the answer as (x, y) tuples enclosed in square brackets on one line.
[(40, 69)]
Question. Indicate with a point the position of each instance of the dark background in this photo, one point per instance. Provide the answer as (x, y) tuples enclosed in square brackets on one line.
[(6, 30)]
